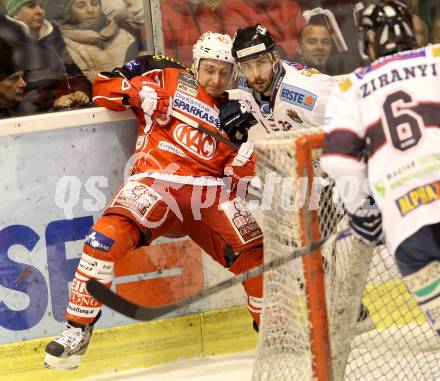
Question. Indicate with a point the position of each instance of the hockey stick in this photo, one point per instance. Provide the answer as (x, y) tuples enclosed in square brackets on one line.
[(134, 311)]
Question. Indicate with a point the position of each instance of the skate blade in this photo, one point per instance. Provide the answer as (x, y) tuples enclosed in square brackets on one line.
[(61, 363)]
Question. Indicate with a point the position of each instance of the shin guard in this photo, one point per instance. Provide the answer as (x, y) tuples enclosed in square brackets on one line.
[(83, 308), (425, 288)]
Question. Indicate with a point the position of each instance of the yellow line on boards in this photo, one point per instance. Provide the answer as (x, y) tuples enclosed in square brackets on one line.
[(139, 345)]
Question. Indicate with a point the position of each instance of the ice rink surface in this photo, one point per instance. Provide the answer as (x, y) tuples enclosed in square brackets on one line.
[(231, 367)]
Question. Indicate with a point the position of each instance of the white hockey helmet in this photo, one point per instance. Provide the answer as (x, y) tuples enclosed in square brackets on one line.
[(214, 46)]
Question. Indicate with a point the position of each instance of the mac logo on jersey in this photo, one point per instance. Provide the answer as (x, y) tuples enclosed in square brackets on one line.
[(195, 141), (298, 97)]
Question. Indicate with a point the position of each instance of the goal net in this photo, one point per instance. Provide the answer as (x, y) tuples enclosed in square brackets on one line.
[(341, 312)]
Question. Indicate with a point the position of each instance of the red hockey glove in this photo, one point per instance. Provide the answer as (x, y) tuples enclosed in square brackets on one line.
[(156, 103)]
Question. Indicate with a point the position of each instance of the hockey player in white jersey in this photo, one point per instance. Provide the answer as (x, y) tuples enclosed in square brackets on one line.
[(382, 138), (281, 95)]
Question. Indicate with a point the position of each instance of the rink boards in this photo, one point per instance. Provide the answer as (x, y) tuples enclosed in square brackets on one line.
[(57, 175)]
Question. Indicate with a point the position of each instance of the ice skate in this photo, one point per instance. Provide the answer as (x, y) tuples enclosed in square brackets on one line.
[(64, 352)]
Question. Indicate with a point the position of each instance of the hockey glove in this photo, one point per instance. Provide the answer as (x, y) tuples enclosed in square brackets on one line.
[(366, 222), (236, 121), (156, 103), (241, 169)]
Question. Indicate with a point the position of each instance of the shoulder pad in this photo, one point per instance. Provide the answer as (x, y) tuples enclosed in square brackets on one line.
[(303, 69), (143, 64)]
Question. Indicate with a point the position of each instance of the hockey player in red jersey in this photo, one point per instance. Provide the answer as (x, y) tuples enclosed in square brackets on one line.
[(382, 137), (177, 182)]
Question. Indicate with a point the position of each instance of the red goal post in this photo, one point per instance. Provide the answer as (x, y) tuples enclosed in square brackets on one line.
[(313, 264)]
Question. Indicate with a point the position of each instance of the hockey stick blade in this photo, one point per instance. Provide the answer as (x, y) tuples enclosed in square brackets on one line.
[(134, 311)]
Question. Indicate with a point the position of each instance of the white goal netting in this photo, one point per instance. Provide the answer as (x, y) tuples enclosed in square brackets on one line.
[(375, 329)]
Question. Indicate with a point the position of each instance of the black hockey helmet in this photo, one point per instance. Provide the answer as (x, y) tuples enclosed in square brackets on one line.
[(388, 26), (252, 42)]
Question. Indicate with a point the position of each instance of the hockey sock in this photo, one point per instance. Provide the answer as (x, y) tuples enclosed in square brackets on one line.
[(84, 308), (425, 288)]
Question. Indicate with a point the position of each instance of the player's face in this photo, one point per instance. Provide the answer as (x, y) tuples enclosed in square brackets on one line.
[(315, 46), (214, 76), (12, 88), (86, 11), (32, 14), (259, 73)]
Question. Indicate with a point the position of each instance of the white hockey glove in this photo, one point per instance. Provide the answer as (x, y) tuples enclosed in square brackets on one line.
[(241, 169), (156, 103), (244, 154), (366, 222), (242, 158)]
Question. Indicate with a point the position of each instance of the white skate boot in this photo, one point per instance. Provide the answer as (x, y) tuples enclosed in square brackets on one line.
[(64, 353)]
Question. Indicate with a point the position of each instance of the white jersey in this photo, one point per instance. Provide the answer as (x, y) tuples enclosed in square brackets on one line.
[(391, 111), (299, 98)]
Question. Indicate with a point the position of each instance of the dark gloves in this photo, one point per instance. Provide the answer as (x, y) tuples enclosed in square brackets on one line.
[(236, 121), (366, 222)]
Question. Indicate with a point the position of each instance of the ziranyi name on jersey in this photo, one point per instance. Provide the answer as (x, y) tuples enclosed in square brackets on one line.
[(392, 108), (298, 99), (413, 70)]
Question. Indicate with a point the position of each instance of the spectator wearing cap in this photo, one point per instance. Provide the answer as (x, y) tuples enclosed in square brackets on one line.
[(95, 42), (12, 84), (55, 81)]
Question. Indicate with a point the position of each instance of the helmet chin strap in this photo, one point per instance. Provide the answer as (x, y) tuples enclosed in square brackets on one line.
[(275, 67)]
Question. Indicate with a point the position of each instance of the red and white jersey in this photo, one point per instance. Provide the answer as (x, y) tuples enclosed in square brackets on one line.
[(383, 123), (176, 151), (299, 97)]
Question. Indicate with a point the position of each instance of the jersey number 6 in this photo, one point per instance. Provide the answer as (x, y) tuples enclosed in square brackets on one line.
[(404, 124)]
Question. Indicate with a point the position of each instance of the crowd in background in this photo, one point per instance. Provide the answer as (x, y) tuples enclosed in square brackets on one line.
[(51, 50)]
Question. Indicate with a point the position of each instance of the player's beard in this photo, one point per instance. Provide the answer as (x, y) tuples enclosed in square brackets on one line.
[(262, 86)]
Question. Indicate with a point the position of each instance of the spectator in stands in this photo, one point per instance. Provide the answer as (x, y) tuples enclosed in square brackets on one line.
[(54, 82), (13, 38), (12, 84), (282, 18), (420, 31), (314, 46), (436, 31), (95, 42), (129, 14), (183, 21)]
